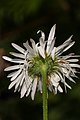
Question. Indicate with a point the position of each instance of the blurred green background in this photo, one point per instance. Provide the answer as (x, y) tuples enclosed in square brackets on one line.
[(20, 20)]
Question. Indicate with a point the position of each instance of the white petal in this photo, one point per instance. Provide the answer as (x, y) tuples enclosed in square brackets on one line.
[(54, 83), (20, 49), (62, 47), (28, 81), (65, 47), (40, 86), (12, 74), (34, 46), (17, 87), (60, 77), (59, 48), (41, 51), (55, 90), (33, 42), (14, 67), (67, 85), (42, 35), (55, 77), (51, 37), (13, 60), (70, 45), (64, 70), (22, 80), (18, 79), (71, 55), (41, 39), (60, 89), (12, 84), (34, 86), (28, 91), (27, 46), (17, 61), (53, 53), (75, 65), (17, 55), (51, 46), (70, 79), (42, 43), (23, 90), (72, 60), (52, 33), (6, 58), (50, 88), (54, 80), (16, 75), (69, 39)]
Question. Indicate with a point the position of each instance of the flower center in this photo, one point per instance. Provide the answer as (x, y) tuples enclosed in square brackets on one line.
[(37, 64)]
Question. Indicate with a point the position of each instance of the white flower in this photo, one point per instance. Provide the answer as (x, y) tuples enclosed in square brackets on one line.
[(26, 75)]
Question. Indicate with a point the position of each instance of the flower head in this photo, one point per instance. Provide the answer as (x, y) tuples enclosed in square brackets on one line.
[(26, 73)]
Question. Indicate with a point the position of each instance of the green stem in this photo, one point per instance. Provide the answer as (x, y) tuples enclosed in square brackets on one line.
[(44, 89)]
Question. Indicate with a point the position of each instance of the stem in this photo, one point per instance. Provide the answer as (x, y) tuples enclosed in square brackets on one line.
[(44, 89)]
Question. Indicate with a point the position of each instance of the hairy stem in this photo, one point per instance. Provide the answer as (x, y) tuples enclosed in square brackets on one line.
[(44, 90)]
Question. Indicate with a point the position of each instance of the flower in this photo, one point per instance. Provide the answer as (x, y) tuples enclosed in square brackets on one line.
[(26, 73)]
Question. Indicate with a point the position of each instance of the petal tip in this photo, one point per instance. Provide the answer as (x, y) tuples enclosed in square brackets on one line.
[(38, 31), (3, 57)]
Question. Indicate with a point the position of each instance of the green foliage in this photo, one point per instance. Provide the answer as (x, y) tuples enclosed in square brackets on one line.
[(18, 9)]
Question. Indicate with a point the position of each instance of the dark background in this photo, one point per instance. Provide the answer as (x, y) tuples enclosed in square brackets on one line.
[(20, 20)]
